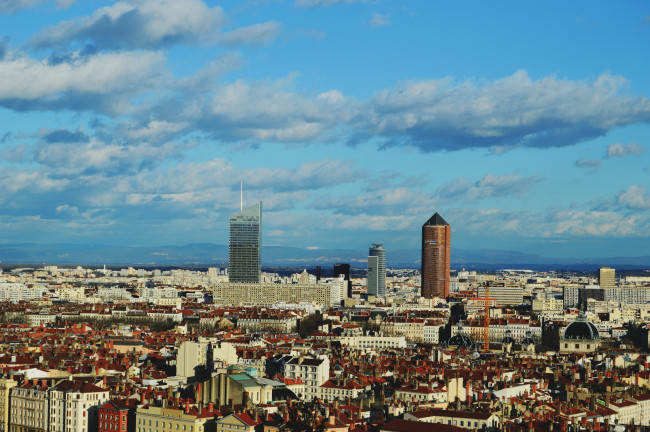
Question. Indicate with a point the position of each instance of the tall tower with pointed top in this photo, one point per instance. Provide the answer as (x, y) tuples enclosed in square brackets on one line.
[(244, 262), (436, 257)]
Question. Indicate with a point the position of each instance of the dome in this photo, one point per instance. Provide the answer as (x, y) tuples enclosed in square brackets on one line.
[(581, 329), (528, 340), (461, 341), (508, 339)]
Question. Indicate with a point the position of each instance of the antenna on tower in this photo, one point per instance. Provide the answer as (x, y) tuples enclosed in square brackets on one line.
[(241, 196)]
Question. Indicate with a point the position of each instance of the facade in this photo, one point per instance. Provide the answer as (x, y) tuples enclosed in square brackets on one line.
[(238, 422), (6, 384), (373, 342), (571, 296), (29, 407), (464, 419), (607, 277), (436, 257), (266, 294), (74, 406), (504, 295), (244, 258), (116, 416), (580, 336), (377, 271), (171, 419), (313, 371), (344, 269)]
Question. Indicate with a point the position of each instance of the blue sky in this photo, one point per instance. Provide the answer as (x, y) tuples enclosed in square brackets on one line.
[(524, 124)]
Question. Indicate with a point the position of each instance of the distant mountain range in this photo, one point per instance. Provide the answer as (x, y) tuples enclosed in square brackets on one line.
[(211, 254)]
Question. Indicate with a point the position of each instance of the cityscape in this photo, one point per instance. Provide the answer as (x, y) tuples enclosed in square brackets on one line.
[(324, 215)]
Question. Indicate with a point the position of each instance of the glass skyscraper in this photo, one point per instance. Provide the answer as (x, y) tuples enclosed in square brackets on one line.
[(377, 271), (244, 262)]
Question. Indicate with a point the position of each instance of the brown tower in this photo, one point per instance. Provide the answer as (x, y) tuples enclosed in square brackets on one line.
[(436, 256)]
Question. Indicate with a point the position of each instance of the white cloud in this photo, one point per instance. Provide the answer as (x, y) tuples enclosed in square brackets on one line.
[(11, 6), (550, 224), (621, 150), (489, 185), (256, 34), (379, 20), (138, 24), (513, 111), (634, 198), (105, 83), (588, 163)]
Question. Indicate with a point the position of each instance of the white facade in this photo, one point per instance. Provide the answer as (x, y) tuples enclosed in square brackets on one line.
[(313, 371)]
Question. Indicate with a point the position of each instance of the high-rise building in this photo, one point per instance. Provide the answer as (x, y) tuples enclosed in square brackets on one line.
[(436, 257), (607, 277), (244, 262), (344, 269), (377, 271)]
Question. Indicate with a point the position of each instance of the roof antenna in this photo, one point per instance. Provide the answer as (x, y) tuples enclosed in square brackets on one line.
[(241, 196)]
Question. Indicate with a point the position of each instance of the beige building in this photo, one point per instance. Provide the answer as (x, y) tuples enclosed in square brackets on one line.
[(171, 419), (607, 277), (504, 295), (411, 328), (6, 385), (265, 294), (235, 388), (313, 371), (581, 336), (238, 422), (29, 407), (193, 355), (74, 404)]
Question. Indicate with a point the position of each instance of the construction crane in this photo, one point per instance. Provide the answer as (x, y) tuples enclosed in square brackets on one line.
[(486, 318)]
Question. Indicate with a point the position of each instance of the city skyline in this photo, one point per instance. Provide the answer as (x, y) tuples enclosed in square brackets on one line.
[(133, 123)]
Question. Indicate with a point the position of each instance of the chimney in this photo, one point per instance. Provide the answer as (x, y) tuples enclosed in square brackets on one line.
[(187, 405)]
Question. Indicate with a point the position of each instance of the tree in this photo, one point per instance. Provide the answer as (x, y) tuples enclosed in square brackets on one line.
[(310, 324)]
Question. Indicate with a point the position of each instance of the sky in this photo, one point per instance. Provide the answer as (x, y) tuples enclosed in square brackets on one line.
[(526, 125)]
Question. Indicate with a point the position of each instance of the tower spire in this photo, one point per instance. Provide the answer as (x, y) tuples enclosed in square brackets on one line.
[(241, 196)]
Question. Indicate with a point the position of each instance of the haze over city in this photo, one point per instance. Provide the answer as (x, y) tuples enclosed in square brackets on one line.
[(133, 123)]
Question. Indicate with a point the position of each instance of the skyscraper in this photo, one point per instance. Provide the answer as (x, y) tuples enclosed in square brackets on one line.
[(436, 257), (377, 271), (607, 277), (344, 269), (244, 263)]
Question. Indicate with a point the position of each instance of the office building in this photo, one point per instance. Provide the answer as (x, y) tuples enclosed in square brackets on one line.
[(377, 271), (607, 277), (326, 294), (344, 269), (436, 257), (244, 261), (504, 295)]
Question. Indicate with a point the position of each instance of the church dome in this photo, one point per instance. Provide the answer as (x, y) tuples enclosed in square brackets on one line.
[(581, 329), (508, 339), (461, 341)]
